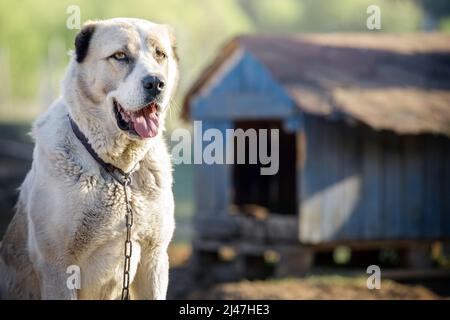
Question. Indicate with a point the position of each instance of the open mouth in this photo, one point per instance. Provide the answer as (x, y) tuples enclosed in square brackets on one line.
[(143, 122)]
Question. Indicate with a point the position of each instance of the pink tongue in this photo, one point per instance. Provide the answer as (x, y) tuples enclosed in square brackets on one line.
[(146, 122)]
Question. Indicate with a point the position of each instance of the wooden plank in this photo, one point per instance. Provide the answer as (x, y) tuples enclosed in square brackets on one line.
[(311, 206), (255, 76), (282, 228), (300, 168), (231, 82), (393, 187), (198, 104), (275, 228), (414, 274), (341, 174), (205, 195), (251, 228), (219, 229), (413, 186), (331, 186), (223, 176), (228, 77), (372, 186), (243, 105), (244, 72), (214, 193), (350, 218), (431, 227), (243, 89), (204, 192), (446, 189), (366, 245)]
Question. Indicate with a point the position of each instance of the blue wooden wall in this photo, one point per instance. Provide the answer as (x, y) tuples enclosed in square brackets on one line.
[(359, 184)]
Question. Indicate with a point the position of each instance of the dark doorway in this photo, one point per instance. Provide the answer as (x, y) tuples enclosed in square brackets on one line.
[(276, 193)]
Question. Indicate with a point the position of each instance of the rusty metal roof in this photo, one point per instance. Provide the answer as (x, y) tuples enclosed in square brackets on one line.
[(398, 82)]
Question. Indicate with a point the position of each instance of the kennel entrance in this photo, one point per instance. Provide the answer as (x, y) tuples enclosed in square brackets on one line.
[(274, 193)]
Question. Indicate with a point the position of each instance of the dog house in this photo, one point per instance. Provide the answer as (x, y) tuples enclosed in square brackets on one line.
[(364, 148)]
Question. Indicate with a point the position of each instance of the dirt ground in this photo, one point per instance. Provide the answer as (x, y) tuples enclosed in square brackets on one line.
[(311, 287), (316, 289)]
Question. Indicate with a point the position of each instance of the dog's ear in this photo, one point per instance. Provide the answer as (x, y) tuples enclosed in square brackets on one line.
[(83, 39)]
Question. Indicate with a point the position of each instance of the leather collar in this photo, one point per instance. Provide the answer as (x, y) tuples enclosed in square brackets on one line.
[(118, 174)]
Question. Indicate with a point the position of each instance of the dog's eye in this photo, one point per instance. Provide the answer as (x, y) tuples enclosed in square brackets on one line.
[(119, 55), (160, 54)]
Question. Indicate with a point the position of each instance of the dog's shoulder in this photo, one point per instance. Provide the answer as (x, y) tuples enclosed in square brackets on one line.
[(56, 149), (51, 128)]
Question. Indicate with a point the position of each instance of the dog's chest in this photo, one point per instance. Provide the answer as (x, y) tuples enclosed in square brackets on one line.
[(101, 232), (103, 210)]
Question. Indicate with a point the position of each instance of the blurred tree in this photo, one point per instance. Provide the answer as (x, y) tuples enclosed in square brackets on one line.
[(437, 14), (437, 8), (331, 16), (28, 27)]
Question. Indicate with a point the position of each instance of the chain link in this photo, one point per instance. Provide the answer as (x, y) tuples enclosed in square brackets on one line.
[(128, 244)]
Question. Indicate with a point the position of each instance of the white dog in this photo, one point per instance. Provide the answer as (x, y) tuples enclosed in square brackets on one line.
[(72, 207)]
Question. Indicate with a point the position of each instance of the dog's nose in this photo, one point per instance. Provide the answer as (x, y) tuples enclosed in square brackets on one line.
[(152, 84)]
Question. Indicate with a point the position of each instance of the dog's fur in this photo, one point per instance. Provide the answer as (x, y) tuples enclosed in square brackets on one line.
[(70, 212)]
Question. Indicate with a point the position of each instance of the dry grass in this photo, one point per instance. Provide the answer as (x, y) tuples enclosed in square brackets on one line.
[(315, 288), (334, 287)]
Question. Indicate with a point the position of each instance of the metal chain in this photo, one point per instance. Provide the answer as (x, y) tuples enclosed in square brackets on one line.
[(124, 179), (128, 243)]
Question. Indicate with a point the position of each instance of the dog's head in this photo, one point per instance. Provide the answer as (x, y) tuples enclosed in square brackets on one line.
[(124, 73)]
